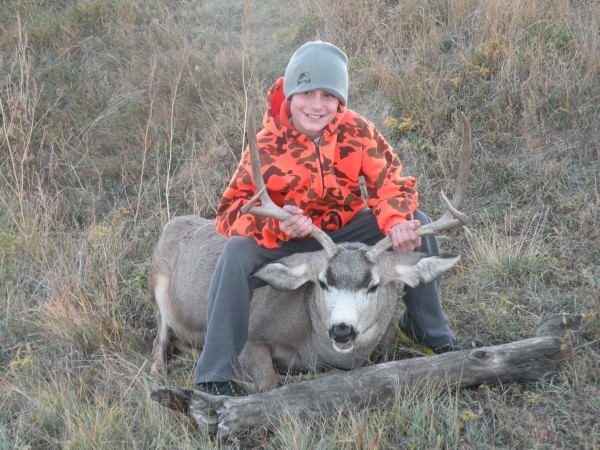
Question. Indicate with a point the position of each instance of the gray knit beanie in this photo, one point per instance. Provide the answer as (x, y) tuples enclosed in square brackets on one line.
[(317, 65)]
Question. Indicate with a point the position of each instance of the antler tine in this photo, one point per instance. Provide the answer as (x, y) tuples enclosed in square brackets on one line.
[(452, 218), (267, 207), (464, 165)]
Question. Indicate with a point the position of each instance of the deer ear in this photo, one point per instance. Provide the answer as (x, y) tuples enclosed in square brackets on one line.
[(283, 276), (425, 270)]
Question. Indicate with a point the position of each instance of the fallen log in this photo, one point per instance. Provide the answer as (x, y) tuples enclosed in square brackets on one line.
[(380, 384)]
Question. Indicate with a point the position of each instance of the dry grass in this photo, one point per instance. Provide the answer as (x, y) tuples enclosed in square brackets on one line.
[(115, 116)]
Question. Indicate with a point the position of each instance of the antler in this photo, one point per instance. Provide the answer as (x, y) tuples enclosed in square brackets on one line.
[(267, 207), (452, 218)]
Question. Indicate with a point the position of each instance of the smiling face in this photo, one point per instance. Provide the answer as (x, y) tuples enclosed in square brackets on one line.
[(312, 111)]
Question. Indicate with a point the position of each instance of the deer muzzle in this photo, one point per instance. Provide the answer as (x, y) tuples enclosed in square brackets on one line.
[(343, 337)]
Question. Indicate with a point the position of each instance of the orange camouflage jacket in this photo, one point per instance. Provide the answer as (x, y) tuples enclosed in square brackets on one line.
[(322, 179)]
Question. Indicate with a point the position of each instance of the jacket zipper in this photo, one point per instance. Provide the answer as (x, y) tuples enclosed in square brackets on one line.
[(320, 168)]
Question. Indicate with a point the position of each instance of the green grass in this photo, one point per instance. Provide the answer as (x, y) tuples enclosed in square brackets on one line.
[(116, 116)]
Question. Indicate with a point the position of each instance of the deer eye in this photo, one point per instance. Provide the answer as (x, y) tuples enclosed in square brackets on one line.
[(323, 282)]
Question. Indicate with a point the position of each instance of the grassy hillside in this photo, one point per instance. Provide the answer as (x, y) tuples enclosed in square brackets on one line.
[(117, 115)]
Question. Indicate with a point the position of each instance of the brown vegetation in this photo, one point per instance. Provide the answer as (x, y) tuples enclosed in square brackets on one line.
[(117, 115)]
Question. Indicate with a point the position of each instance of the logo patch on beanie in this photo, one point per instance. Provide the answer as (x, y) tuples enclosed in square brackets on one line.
[(303, 78)]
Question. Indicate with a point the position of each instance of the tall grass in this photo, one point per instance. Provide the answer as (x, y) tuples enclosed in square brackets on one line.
[(115, 116)]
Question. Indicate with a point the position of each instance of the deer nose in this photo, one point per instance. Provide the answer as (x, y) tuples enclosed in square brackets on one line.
[(342, 334)]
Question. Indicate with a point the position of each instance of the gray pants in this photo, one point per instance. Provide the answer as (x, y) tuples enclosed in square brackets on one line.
[(232, 286)]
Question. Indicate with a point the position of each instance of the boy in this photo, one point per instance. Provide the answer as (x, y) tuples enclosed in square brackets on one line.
[(313, 150)]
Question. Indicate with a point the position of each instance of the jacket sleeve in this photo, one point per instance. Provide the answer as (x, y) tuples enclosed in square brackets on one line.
[(392, 196), (230, 220)]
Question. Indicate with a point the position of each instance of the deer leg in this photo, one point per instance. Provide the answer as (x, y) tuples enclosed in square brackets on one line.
[(257, 361), (161, 341)]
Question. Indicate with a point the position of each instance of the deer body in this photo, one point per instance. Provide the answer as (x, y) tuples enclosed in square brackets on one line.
[(317, 312)]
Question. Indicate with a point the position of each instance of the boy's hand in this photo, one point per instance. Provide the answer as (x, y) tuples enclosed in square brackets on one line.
[(403, 236), (298, 225)]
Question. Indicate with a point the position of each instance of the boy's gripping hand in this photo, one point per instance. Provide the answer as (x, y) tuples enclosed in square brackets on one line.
[(298, 225), (403, 236)]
